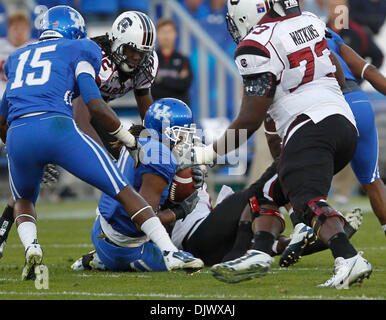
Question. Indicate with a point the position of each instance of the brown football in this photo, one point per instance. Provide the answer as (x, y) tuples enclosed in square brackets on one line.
[(182, 185)]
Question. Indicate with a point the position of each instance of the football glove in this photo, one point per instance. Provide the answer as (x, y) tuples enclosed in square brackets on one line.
[(50, 176), (136, 153), (199, 175), (188, 156), (182, 209)]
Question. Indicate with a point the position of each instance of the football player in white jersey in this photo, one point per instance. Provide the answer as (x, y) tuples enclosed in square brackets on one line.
[(129, 63), (287, 71)]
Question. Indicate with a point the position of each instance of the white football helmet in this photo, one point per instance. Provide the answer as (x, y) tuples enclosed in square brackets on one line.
[(243, 15), (135, 30)]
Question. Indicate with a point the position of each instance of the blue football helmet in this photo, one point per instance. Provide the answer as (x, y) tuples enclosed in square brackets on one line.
[(172, 119), (62, 21)]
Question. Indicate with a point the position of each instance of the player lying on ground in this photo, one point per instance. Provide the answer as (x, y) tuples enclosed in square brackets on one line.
[(120, 245), (129, 62), (318, 131), (214, 234), (37, 105)]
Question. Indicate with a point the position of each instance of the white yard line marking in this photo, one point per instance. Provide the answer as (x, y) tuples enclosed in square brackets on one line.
[(67, 215), (179, 296), (57, 245), (83, 275)]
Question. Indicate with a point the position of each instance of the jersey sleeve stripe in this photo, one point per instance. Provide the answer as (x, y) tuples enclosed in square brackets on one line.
[(84, 67), (251, 47)]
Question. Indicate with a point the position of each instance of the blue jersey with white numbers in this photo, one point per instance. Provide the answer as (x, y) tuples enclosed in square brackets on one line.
[(334, 44), (42, 76), (158, 160)]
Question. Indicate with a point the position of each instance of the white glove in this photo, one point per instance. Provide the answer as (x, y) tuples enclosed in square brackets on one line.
[(189, 156)]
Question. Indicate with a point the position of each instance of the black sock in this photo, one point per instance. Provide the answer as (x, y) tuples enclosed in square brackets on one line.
[(242, 242), (349, 230), (6, 221), (264, 241), (341, 247), (319, 245)]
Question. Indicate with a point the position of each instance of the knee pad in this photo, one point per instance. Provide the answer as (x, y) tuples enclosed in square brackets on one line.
[(320, 208), (257, 211)]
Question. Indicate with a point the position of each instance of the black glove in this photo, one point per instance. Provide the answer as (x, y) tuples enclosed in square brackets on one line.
[(182, 209), (199, 175), (51, 175)]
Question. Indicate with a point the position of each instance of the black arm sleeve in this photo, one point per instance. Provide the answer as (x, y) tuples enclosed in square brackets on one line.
[(260, 84)]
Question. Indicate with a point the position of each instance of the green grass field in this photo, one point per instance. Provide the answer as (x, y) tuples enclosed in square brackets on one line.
[(64, 233)]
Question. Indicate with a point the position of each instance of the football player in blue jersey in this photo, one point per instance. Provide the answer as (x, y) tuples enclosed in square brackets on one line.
[(43, 79), (120, 245)]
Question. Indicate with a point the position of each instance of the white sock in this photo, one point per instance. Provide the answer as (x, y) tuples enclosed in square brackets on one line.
[(27, 232), (384, 228), (157, 233)]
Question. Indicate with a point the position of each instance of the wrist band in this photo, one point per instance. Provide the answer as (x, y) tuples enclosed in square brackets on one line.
[(139, 211), (116, 131), (270, 132), (25, 215), (364, 69)]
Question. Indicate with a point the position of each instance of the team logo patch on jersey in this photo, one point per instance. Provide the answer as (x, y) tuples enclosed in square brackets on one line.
[(68, 97), (260, 7), (244, 63)]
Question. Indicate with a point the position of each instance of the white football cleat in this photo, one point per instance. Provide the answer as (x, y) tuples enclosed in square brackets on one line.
[(181, 260), (89, 261), (33, 258), (348, 272), (301, 237), (254, 264)]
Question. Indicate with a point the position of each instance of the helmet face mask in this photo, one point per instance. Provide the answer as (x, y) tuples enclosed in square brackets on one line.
[(172, 121), (181, 135), (232, 28), (129, 58)]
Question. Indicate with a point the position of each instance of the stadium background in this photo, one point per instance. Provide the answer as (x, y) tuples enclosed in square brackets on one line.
[(215, 92)]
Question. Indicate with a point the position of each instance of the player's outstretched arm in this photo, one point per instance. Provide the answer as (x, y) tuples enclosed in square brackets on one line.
[(144, 100), (273, 139), (339, 74), (259, 90), (362, 69), (101, 112), (82, 118), (151, 190)]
